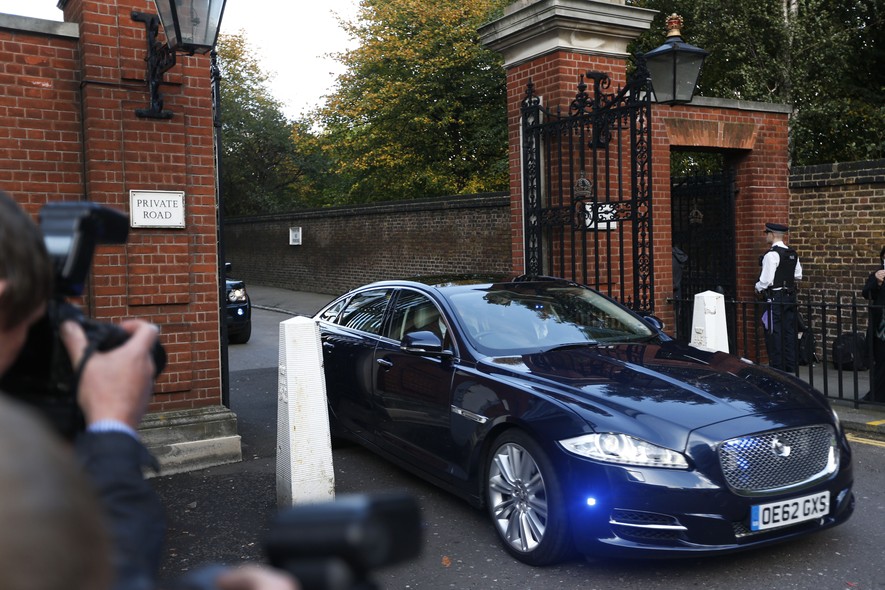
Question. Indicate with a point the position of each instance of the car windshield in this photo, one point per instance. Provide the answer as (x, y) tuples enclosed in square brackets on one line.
[(519, 318)]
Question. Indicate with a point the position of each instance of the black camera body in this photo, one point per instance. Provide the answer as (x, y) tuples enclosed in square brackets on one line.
[(335, 545), (42, 374)]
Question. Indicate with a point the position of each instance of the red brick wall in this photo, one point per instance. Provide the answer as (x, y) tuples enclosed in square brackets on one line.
[(70, 132), (40, 147), (836, 226), (344, 247)]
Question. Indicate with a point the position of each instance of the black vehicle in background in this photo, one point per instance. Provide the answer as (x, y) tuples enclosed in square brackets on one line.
[(239, 310)]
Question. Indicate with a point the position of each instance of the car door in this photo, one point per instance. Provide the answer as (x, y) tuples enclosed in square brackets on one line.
[(413, 390), (350, 331)]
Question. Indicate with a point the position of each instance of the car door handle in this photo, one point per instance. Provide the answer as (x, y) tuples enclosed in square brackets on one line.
[(384, 362)]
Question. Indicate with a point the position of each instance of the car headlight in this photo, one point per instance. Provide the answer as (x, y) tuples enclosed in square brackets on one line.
[(624, 449), (236, 295), (837, 422)]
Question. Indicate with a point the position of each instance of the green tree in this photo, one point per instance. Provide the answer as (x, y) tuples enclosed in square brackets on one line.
[(826, 58), (268, 163), (839, 57), (421, 108)]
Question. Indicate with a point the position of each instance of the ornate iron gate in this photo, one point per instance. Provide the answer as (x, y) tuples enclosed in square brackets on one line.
[(703, 218), (587, 188)]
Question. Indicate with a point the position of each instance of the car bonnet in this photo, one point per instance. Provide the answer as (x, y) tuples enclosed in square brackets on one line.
[(663, 387)]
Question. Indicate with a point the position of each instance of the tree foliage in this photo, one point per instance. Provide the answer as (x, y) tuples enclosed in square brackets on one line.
[(826, 58), (421, 108), (268, 163)]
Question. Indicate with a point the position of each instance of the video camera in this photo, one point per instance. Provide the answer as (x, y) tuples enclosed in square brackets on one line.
[(42, 374), (335, 545)]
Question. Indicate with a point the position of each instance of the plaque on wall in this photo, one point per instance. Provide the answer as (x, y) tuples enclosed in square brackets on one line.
[(156, 209)]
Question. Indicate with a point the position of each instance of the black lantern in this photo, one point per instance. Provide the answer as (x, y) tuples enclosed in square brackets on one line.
[(674, 67), (191, 26)]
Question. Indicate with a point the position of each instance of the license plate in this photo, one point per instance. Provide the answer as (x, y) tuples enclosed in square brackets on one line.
[(789, 512)]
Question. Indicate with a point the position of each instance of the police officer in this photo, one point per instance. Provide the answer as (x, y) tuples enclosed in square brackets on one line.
[(777, 285)]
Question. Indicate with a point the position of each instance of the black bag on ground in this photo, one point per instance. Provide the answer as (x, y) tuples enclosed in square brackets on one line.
[(850, 352), (808, 348)]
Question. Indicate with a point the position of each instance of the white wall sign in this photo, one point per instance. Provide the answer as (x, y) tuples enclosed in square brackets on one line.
[(156, 208)]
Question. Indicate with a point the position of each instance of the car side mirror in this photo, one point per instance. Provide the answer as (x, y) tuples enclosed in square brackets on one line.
[(654, 321), (227, 267), (423, 342)]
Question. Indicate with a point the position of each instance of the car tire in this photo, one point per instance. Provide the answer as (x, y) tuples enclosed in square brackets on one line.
[(241, 337), (525, 501)]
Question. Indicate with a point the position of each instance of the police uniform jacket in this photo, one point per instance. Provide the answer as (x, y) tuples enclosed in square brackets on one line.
[(776, 266)]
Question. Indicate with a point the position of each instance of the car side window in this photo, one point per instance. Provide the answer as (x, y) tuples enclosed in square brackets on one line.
[(331, 313), (365, 311), (415, 312)]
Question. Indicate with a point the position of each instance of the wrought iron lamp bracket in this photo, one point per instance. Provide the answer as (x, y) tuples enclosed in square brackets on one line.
[(160, 59)]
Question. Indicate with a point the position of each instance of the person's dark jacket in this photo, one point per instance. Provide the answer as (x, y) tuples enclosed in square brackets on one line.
[(875, 293), (114, 461)]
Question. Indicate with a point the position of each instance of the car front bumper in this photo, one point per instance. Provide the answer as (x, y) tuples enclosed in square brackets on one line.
[(647, 512), (239, 316)]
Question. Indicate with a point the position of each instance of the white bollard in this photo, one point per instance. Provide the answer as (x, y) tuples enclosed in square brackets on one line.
[(304, 445), (708, 327)]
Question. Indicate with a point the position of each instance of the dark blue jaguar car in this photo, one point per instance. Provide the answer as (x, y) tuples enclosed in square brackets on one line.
[(579, 425)]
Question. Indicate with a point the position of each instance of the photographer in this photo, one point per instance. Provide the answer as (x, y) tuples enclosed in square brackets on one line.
[(113, 393)]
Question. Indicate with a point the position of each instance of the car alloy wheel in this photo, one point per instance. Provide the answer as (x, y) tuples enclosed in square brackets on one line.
[(524, 501)]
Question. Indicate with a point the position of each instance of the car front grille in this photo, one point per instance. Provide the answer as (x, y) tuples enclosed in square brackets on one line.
[(777, 461), (641, 518), (646, 527)]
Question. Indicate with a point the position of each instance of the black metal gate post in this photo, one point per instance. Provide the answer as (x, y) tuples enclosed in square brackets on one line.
[(531, 176), (587, 188)]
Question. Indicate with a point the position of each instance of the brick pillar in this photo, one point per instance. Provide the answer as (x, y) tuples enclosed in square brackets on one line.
[(755, 138), (166, 275)]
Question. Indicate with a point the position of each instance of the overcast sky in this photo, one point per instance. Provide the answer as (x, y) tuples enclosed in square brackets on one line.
[(291, 37)]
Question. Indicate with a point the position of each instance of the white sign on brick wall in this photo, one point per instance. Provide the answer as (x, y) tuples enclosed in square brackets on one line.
[(156, 208)]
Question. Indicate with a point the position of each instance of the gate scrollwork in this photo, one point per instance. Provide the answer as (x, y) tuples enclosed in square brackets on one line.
[(587, 187)]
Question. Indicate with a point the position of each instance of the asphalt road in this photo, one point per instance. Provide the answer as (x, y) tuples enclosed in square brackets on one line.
[(219, 515)]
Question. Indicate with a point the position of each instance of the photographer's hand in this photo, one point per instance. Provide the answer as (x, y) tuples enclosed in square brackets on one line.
[(115, 385), (255, 577)]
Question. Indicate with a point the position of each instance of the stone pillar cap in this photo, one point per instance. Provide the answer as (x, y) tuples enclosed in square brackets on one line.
[(532, 28)]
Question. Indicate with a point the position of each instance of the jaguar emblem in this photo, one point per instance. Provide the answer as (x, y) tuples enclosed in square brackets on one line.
[(779, 448)]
